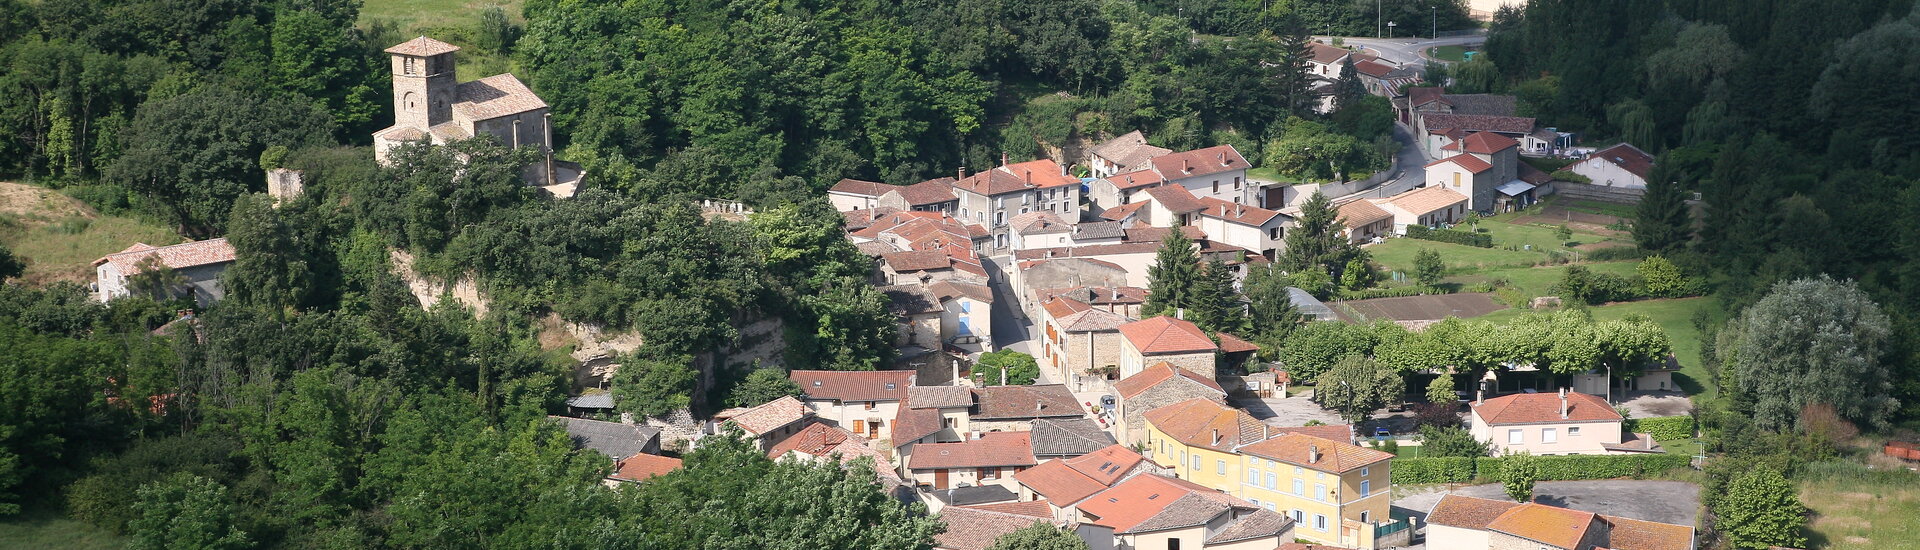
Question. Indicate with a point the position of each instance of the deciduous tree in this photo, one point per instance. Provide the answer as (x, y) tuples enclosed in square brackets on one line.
[(763, 385), (1357, 386), (1518, 472), (1019, 368), (1427, 267), (1811, 341), (1761, 510), (1039, 536)]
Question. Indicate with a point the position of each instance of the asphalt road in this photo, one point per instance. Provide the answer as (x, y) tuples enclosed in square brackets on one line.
[(1406, 50), (1413, 171)]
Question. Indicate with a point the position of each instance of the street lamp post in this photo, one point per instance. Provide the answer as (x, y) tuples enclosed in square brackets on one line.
[(1390, 26), (1435, 32), (1377, 16)]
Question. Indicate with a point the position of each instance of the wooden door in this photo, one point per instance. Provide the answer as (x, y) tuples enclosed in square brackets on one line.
[(939, 479)]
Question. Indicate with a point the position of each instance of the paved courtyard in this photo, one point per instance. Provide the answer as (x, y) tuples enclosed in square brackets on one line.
[(1663, 501)]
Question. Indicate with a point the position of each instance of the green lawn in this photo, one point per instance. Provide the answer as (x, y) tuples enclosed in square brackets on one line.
[(1268, 174), (60, 237), (1449, 53), (1547, 164), (1397, 254), (452, 21), (1863, 513), (48, 531), (1538, 281), (1675, 316)]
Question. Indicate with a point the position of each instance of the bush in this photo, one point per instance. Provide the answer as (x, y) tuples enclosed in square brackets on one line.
[(107, 198), (1552, 468), (1564, 175), (1450, 236), (1666, 428), (1395, 292), (1420, 471), (1617, 253)]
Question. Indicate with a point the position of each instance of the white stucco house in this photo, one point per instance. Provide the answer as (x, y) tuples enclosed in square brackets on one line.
[(1562, 423), (1621, 165)]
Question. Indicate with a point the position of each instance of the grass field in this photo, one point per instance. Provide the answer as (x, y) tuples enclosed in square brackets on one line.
[(1864, 512), (1268, 174), (1397, 254), (48, 531), (1448, 53), (452, 21), (1675, 316), (1547, 164), (60, 237), (1538, 281)]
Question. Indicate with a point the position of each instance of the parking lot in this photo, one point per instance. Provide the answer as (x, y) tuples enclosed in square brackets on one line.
[(1663, 501)]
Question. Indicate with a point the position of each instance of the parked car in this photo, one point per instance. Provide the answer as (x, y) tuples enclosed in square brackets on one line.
[(1382, 431)]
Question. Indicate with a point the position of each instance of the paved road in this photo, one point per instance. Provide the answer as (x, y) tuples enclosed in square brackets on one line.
[(1406, 50), (1413, 171), (1009, 324)]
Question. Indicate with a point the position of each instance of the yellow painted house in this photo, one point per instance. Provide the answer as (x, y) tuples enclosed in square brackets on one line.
[(1197, 437), (1338, 492)]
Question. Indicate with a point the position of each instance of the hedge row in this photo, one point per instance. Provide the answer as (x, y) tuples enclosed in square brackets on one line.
[(1552, 468), (1481, 240), (1394, 292), (1665, 428)]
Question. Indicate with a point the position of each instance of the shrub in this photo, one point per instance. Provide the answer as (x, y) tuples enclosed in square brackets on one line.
[(1617, 253), (1416, 471), (1565, 175), (1450, 236), (1394, 292), (1582, 467), (1666, 428)]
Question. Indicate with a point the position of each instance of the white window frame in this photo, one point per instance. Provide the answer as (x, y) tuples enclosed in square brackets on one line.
[(1516, 437), (1573, 431), (1299, 487), (1366, 488), (1320, 522), (1549, 435), (1220, 467)]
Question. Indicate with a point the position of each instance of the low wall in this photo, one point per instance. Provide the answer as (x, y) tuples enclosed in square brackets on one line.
[(1602, 193)]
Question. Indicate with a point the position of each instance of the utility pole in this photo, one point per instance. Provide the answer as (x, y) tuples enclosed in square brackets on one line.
[(1377, 18), (1435, 33)]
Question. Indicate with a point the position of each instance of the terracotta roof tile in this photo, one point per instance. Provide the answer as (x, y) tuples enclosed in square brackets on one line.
[(1087, 250), (1035, 174), (1092, 320), (1335, 432), (1325, 54), (178, 256), (494, 97), (1469, 162), (1525, 408), (1199, 162), (1157, 374), (1097, 295), (1035, 508), (1165, 334), (1487, 143), (1423, 95), (1422, 201), (1627, 157), (1559, 527), (878, 385), (1196, 422), (1483, 123), (1010, 402), (1058, 482), (971, 528), (643, 466), (1062, 307), (933, 191), (1130, 150), (1372, 68), (1467, 512), (1136, 179), (1121, 212), (1157, 234), (769, 416), (991, 449), (823, 441), (1635, 534), (911, 422), (1039, 223), (1176, 198), (1234, 344), (861, 187), (422, 47), (1336, 456), (1106, 465), (1258, 524), (948, 290), (1237, 213), (917, 260)]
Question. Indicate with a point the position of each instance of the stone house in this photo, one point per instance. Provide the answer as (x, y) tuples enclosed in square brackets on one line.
[(1165, 339), (1127, 153), (430, 104), (864, 402), (1469, 523), (990, 459), (1621, 165), (993, 197), (1485, 160), (198, 266), (966, 313), (767, 424), (1078, 338), (1117, 190), (1014, 408), (1562, 423), (919, 314), (1158, 386)]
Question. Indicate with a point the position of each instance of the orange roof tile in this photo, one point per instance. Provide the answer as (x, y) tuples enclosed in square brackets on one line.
[(1361, 213), (991, 449), (1036, 508), (1468, 162), (422, 47), (1135, 179), (1062, 307), (770, 416), (1635, 534), (1626, 156), (643, 466), (1137, 500), (1176, 198), (1106, 465), (1421, 201), (1058, 482), (1201, 422), (1160, 372), (1297, 449), (1557, 526), (1237, 213), (861, 187), (1467, 512), (494, 97), (876, 385), (1121, 212), (1199, 162), (1487, 143), (1234, 344), (178, 256), (1528, 408), (1165, 334)]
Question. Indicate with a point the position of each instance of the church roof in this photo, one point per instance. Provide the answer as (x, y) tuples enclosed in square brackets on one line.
[(423, 47), (494, 97)]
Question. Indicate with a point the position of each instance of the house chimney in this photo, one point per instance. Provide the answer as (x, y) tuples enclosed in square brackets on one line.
[(1563, 403), (1313, 454), (1184, 166), (1029, 178), (1003, 158), (1239, 209), (1223, 158), (1480, 396), (960, 173), (1216, 437)]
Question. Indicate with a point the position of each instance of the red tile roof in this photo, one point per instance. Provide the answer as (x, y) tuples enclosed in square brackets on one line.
[(1468, 512), (422, 47), (1528, 408), (1634, 534), (1129, 150), (1137, 500), (1041, 401), (1237, 213), (768, 416), (1422, 201), (1165, 334), (1372, 68), (911, 423), (643, 466), (972, 528), (1336, 456), (1234, 344), (933, 191), (1058, 482), (823, 441), (1559, 527), (877, 385), (1176, 198), (1035, 508), (1484, 123), (1136, 179), (1200, 422), (494, 97), (1062, 307), (178, 256), (1106, 465), (1160, 372), (1097, 295), (992, 449), (1336, 432), (917, 260), (1360, 213), (1157, 234), (1627, 157), (1422, 95), (1037, 223), (1199, 162), (1325, 54), (1487, 143), (1469, 162), (861, 187), (1033, 174), (1121, 212)]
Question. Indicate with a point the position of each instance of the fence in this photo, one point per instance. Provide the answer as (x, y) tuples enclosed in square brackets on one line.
[(1602, 193)]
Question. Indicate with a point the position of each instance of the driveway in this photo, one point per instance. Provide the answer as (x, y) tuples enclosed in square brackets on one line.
[(1298, 410), (1413, 169), (1663, 501)]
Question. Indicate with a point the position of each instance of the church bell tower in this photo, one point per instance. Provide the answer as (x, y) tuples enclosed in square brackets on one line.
[(423, 82)]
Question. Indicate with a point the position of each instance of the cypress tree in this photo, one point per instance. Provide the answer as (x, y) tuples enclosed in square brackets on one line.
[(1216, 305), (1662, 222), (1171, 280)]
